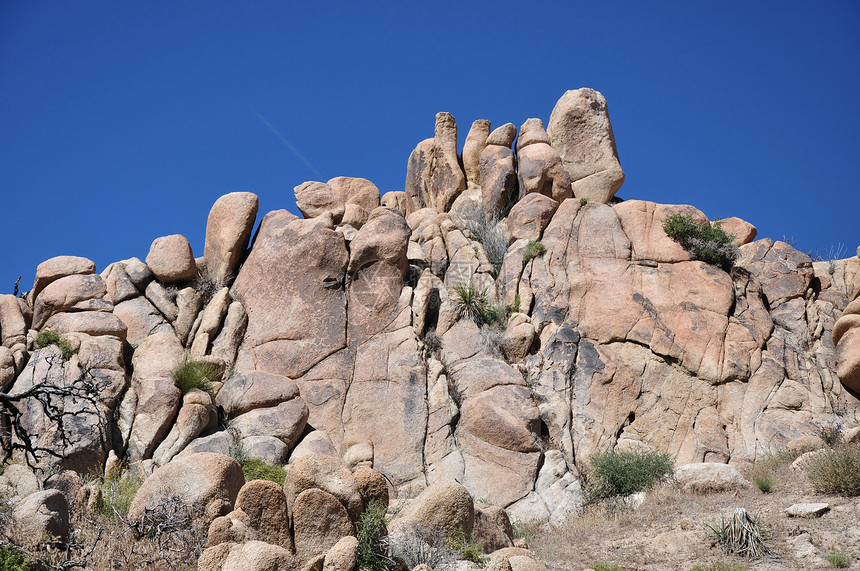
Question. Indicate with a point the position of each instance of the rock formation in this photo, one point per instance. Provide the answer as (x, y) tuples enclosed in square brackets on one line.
[(343, 345)]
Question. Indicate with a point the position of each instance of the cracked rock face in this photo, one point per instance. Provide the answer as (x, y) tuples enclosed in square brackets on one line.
[(343, 337)]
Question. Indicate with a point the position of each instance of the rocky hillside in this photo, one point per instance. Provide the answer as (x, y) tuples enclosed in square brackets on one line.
[(494, 324)]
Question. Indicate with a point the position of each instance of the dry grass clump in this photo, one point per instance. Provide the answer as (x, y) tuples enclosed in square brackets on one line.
[(835, 471), (196, 375), (771, 471), (740, 535)]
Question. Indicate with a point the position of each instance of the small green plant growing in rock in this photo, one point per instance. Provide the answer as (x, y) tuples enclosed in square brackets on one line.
[(838, 560), (195, 375), (708, 243), (117, 490), (621, 473), (47, 337), (835, 471), (533, 250), (468, 549), (257, 469), (583, 201), (517, 303), (371, 531), (475, 305), (742, 535), (605, 566)]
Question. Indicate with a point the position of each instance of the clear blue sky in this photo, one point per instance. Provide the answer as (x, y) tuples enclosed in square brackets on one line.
[(124, 121)]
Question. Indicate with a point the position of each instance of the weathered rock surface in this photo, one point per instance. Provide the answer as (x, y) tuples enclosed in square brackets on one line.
[(434, 177), (580, 131), (302, 262), (709, 477), (60, 267), (210, 481), (319, 522), (445, 506), (153, 401), (268, 514), (476, 140), (171, 260), (228, 230), (317, 471), (41, 517)]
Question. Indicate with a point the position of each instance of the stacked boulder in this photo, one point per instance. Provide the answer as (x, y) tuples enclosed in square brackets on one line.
[(341, 340)]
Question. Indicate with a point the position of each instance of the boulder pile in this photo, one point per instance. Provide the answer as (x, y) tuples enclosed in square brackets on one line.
[(345, 351)]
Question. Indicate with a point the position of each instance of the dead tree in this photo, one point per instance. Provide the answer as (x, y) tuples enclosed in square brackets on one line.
[(61, 401)]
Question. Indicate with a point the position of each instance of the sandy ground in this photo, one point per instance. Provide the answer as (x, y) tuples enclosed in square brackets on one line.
[(668, 531)]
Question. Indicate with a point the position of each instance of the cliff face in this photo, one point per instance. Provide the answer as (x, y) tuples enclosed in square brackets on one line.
[(343, 333)]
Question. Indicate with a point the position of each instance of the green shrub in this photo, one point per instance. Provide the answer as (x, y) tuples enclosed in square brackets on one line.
[(195, 375), (517, 303), (468, 549), (256, 469), (708, 243), (763, 482), (621, 473), (838, 560), (835, 471), (583, 201), (533, 250), (47, 337), (12, 560), (117, 492), (476, 306), (371, 531)]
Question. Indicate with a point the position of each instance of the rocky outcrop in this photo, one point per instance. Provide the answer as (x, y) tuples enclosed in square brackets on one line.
[(348, 358), (434, 177)]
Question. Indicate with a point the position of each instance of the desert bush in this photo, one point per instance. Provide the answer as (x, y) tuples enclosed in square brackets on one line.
[(838, 560), (207, 285), (835, 471), (13, 560), (492, 341), (257, 469), (492, 234), (740, 535), (621, 473), (118, 489), (763, 482), (468, 549), (708, 243), (415, 546), (475, 305), (583, 201), (533, 250), (433, 342), (195, 375), (47, 337), (371, 531), (829, 432), (605, 566)]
